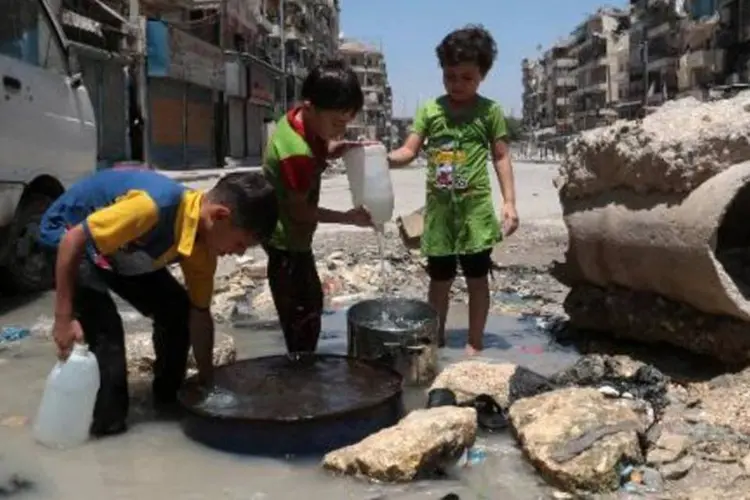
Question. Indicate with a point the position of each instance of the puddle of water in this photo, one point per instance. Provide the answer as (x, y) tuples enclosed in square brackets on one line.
[(155, 459)]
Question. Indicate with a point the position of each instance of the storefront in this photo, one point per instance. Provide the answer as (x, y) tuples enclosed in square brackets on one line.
[(260, 103), (185, 74), (103, 70), (236, 93)]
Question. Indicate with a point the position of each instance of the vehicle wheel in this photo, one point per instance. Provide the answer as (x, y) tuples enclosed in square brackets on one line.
[(30, 267)]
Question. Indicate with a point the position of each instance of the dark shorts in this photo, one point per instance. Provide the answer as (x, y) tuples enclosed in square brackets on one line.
[(473, 265)]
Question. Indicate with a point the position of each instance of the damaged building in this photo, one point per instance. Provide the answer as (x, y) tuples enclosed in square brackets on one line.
[(630, 62), (368, 62), (597, 45), (547, 87)]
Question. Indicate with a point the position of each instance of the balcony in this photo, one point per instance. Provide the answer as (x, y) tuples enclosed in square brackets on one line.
[(565, 63), (565, 81)]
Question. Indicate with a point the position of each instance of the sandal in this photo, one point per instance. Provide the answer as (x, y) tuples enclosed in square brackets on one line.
[(490, 415)]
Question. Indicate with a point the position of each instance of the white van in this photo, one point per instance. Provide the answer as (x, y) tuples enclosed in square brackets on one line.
[(47, 136)]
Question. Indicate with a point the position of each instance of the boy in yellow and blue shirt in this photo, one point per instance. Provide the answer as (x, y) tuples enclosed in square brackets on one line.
[(117, 231)]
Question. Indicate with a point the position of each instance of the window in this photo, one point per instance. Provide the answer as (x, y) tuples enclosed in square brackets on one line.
[(27, 34)]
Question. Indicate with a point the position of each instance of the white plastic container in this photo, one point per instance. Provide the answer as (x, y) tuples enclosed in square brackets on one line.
[(370, 181), (67, 406)]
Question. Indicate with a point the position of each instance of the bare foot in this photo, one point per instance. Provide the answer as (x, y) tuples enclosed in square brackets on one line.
[(471, 351)]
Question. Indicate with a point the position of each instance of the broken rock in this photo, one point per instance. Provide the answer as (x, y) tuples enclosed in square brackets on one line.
[(673, 150), (423, 442), (140, 353), (669, 447), (504, 382), (577, 437)]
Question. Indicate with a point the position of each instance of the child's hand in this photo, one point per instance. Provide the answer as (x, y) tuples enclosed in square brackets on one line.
[(359, 217), (510, 219), (66, 332)]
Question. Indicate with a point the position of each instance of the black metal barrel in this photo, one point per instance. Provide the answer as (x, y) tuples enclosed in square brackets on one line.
[(293, 405)]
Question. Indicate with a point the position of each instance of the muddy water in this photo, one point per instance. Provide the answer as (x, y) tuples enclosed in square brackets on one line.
[(155, 460)]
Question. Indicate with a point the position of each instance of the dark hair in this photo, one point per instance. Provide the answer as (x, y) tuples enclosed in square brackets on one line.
[(333, 85), (472, 44), (252, 200)]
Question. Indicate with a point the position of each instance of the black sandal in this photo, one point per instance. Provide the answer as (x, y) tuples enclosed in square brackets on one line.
[(490, 415)]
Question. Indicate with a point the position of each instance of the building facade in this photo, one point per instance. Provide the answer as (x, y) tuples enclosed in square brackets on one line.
[(598, 44), (629, 62), (548, 84), (375, 120), (98, 38)]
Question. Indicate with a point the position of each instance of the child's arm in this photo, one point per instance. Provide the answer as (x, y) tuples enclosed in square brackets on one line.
[(503, 169), (107, 229), (414, 142), (406, 153), (199, 270)]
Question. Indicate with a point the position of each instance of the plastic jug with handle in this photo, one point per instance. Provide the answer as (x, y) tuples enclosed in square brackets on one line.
[(370, 181), (67, 406)]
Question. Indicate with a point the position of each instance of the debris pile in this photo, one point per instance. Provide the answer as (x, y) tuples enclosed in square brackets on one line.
[(673, 150)]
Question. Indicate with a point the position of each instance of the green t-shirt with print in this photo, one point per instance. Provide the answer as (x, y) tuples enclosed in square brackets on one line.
[(460, 216)]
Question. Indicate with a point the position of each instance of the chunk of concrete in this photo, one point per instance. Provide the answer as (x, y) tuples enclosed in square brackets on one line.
[(677, 148), (577, 437), (504, 382), (411, 228), (141, 357), (423, 442)]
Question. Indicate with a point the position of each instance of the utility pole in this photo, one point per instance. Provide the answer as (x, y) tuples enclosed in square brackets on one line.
[(644, 58), (221, 123), (282, 39), (138, 27)]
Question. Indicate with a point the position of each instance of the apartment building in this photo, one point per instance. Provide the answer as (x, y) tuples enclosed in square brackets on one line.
[(534, 95), (375, 120), (598, 45), (311, 30)]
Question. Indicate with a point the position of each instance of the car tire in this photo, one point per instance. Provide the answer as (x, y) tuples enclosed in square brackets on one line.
[(29, 267)]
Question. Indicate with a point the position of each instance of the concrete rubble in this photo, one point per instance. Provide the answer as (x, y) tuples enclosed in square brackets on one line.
[(351, 271), (654, 212), (577, 437), (504, 382), (673, 150), (140, 354), (421, 444)]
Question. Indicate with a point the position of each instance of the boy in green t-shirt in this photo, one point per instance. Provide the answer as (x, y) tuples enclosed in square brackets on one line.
[(463, 131), (295, 160)]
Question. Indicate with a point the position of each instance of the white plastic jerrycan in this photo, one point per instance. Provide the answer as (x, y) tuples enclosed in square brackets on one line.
[(370, 181), (67, 406)]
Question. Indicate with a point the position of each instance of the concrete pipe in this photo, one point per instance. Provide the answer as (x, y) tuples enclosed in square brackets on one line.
[(692, 248)]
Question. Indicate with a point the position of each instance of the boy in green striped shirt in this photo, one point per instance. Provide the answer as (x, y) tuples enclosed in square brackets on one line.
[(296, 156)]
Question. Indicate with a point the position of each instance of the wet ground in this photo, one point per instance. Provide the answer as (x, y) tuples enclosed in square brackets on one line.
[(156, 459)]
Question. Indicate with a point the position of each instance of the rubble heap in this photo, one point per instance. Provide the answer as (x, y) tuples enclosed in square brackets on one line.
[(673, 150)]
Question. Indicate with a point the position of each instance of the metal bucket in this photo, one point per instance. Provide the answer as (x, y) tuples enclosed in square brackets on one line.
[(406, 340)]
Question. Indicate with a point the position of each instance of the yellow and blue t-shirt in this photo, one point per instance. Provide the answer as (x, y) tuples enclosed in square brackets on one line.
[(137, 221)]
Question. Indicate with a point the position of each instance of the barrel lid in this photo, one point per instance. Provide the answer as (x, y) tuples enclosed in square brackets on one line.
[(288, 389)]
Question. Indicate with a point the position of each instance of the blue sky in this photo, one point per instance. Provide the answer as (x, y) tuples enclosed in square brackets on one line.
[(409, 30)]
